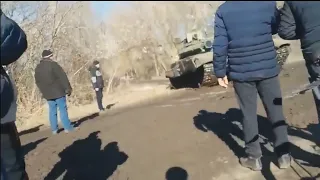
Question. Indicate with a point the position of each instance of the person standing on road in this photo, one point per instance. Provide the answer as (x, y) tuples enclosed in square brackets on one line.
[(54, 85), (97, 82), (301, 20), (13, 45), (243, 41)]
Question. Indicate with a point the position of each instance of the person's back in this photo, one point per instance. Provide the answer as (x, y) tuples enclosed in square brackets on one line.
[(54, 85), (249, 47), (306, 25), (243, 40), (51, 79), (46, 80)]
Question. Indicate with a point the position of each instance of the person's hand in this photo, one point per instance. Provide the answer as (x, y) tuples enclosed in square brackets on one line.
[(223, 82), (97, 89)]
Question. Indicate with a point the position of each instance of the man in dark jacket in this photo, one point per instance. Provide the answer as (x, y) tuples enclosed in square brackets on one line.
[(243, 40), (54, 85), (97, 82), (13, 45), (301, 20)]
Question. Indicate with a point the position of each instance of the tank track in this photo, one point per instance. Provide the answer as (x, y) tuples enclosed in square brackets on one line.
[(209, 79), (283, 54), (204, 76)]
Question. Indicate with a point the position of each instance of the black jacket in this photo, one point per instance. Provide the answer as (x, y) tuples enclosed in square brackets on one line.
[(51, 79), (13, 45), (96, 77), (301, 20)]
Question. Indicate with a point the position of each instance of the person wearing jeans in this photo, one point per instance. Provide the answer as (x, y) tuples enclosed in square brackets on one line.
[(54, 85), (244, 51), (97, 82), (54, 104)]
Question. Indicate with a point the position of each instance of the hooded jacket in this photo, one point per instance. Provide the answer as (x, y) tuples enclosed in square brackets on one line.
[(13, 45)]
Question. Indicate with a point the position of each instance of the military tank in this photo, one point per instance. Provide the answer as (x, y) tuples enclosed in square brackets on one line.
[(194, 68)]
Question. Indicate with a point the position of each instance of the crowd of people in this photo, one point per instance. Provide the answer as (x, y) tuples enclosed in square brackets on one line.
[(244, 53)]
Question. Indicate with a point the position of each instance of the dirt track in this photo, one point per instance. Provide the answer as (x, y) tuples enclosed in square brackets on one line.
[(197, 131)]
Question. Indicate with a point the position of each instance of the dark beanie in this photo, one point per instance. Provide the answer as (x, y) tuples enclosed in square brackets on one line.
[(46, 53), (95, 62)]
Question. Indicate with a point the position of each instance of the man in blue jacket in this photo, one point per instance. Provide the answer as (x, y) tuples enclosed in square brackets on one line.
[(13, 45), (243, 41)]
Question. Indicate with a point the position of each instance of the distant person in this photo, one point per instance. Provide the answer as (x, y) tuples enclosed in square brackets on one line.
[(13, 45), (54, 85), (301, 20), (244, 48), (97, 83)]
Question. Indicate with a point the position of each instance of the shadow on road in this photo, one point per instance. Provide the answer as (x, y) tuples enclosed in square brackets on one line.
[(32, 130), (84, 160), (31, 146), (91, 116), (225, 126), (84, 119), (109, 106), (176, 173)]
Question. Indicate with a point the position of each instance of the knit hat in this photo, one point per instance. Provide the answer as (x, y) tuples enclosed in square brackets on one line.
[(46, 53), (95, 62)]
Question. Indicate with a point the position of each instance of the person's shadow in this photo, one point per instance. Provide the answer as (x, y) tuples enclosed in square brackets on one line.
[(32, 145), (84, 160), (226, 125), (176, 173)]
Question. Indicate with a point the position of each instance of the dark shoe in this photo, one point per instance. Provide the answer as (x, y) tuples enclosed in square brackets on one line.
[(284, 161), (254, 164)]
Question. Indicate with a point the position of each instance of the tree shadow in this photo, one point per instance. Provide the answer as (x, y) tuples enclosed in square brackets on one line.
[(32, 130), (176, 173), (31, 146), (85, 160), (227, 125)]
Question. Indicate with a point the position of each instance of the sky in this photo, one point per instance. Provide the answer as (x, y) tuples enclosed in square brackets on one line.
[(101, 8)]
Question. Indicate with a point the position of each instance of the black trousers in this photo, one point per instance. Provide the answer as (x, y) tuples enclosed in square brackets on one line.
[(99, 96), (270, 94), (12, 155)]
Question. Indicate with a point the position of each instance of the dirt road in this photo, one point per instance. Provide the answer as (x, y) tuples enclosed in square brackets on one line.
[(197, 131)]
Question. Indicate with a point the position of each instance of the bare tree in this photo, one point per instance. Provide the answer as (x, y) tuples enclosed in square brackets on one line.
[(139, 40)]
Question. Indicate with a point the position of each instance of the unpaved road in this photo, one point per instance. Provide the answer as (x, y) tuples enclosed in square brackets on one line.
[(197, 131)]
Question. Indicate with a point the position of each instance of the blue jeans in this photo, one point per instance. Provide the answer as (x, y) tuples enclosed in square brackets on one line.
[(62, 104)]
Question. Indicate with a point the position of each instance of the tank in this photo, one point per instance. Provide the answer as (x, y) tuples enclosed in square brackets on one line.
[(194, 68)]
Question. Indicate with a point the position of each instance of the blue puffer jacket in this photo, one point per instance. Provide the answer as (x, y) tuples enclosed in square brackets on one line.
[(243, 36)]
